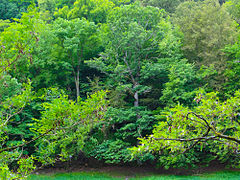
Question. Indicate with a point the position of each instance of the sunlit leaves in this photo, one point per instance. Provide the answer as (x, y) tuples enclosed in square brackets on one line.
[(18, 40), (93, 10), (211, 123), (69, 122)]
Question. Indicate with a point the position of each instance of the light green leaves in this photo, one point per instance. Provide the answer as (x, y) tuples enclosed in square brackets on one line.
[(69, 122), (211, 123), (19, 39), (93, 10)]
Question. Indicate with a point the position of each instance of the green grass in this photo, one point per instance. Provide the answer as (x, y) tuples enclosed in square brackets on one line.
[(212, 176), (73, 176), (231, 175)]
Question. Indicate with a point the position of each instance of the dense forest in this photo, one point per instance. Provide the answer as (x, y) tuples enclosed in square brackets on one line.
[(119, 81)]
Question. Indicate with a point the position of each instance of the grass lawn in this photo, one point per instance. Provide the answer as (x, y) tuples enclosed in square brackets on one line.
[(231, 175)]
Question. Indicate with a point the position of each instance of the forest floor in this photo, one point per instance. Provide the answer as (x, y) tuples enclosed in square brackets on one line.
[(130, 171)]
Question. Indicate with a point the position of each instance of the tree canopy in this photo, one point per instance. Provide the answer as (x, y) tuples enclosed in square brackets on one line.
[(132, 82)]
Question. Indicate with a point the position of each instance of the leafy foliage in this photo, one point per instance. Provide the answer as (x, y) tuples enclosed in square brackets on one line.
[(13, 8), (73, 122), (80, 41), (147, 56), (211, 122), (110, 141), (9, 87), (18, 40), (233, 7), (92, 10), (110, 151), (10, 108), (207, 29), (70, 128), (168, 5), (183, 84), (126, 57), (233, 70)]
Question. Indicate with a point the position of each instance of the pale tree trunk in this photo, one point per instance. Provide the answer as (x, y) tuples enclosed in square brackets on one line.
[(135, 83), (77, 79), (135, 94), (136, 99), (136, 104)]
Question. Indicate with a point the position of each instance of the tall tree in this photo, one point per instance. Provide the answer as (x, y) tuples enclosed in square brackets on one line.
[(184, 81), (133, 36), (207, 28), (80, 41), (50, 68)]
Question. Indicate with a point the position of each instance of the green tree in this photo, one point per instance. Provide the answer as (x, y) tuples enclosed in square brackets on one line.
[(19, 39), (13, 8), (9, 87), (211, 125), (233, 7), (47, 8), (50, 67), (93, 10), (80, 41), (184, 81), (232, 71), (4, 24), (134, 40), (68, 120), (167, 5), (207, 29), (10, 108), (109, 142), (47, 5)]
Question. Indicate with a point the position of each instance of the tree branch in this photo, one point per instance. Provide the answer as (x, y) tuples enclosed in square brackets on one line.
[(26, 143), (186, 140)]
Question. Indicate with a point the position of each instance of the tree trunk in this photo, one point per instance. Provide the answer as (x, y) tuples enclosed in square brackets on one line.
[(136, 104), (77, 82), (136, 97), (136, 101)]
